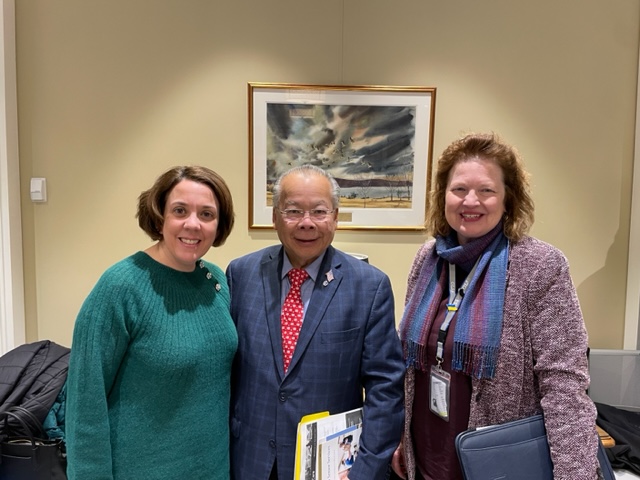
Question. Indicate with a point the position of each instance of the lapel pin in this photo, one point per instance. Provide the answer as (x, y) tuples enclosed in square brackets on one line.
[(329, 278)]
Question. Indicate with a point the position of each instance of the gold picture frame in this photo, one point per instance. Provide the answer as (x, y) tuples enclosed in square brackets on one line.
[(377, 142)]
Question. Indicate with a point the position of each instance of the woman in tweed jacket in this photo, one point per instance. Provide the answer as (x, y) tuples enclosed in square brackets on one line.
[(481, 198)]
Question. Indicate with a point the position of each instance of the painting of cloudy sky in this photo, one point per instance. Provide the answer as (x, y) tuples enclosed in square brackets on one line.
[(358, 145)]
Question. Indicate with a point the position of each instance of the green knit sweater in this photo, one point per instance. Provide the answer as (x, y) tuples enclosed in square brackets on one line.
[(149, 376)]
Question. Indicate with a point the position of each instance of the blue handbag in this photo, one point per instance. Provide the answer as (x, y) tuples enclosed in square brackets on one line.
[(513, 450)]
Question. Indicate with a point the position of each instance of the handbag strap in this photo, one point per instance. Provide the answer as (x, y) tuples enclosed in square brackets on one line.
[(35, 426), (27, 431)]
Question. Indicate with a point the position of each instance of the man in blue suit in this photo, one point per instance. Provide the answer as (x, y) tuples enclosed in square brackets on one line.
[(347, 345)]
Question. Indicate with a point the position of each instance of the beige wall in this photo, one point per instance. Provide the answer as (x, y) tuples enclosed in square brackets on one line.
[(112, 92)]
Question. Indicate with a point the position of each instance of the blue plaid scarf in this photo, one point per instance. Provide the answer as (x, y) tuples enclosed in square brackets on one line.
[(479, 323)]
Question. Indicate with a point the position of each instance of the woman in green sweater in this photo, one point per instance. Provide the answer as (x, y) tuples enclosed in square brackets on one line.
[(149, 375)]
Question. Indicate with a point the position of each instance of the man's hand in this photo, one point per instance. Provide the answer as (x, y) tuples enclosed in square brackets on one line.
[(397, 462)]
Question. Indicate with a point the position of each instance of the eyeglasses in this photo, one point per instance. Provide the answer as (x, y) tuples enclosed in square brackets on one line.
[(295, 214)]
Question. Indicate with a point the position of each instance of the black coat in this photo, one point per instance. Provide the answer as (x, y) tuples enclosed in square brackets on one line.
[(624, 427), (31, 375)]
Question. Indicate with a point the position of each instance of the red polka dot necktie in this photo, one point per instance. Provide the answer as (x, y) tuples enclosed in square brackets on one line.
[(292, 312)]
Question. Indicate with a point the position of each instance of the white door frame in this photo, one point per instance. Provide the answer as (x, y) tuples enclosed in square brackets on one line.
[(12, 316)]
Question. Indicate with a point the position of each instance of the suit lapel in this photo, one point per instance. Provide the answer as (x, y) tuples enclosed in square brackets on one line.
[(327, 283), (270, 271)]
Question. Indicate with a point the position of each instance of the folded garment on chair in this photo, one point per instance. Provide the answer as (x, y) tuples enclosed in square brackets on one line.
[(624, 428)]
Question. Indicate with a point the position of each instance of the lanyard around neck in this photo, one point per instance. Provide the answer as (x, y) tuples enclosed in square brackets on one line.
[(455, 297)]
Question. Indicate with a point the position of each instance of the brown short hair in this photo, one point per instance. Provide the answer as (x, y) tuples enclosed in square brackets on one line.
[(151, 202), (519, 209)]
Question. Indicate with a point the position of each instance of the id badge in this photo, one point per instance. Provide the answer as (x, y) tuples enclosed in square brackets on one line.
[(439, 387)]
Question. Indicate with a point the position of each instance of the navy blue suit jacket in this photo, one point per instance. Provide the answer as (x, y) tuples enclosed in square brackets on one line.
[(348, 342)]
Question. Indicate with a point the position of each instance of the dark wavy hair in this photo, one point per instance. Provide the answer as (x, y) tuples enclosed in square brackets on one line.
[(519, 208), (151, 203)]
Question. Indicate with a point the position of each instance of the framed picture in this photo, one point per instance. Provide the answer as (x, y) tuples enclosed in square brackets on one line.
[(376, 141)]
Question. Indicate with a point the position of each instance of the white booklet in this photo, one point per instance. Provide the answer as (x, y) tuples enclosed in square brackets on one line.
[(327, 445), (338, 452)]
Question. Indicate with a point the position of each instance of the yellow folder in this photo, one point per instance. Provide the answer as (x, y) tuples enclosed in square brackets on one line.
[(299, 443)]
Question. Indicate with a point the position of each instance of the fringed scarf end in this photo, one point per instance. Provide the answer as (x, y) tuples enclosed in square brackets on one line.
[(414, 355), (475, 361)]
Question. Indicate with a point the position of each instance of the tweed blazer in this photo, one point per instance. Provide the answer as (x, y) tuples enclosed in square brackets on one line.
[(542, 362)]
